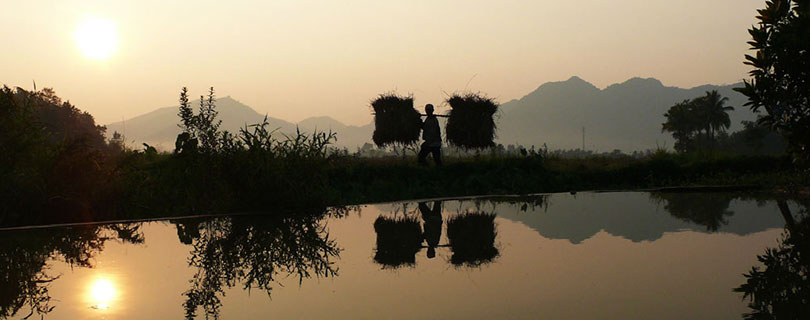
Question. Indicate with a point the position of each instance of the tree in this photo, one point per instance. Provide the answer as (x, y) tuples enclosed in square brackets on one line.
[(681, 122), (688, 118), (780, 81), (715, 112)]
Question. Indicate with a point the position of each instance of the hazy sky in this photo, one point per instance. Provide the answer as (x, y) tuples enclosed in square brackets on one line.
[(295, 59)]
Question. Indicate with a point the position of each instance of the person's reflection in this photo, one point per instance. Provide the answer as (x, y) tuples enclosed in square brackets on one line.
[(432, 226)]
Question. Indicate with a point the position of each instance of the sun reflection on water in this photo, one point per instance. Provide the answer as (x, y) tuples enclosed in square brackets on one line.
[(101, 293)]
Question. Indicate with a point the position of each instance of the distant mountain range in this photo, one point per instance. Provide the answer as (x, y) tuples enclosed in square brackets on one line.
[(624, 116), (159, 128), (635, 216)]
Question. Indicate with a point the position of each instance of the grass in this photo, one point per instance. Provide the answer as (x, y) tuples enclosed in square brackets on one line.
[(364, 180)]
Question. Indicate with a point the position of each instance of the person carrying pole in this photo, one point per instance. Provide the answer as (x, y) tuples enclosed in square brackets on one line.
[(432, 136)]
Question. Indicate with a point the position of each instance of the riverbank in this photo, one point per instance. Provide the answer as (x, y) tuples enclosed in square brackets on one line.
[(151, 185), (380, 180)]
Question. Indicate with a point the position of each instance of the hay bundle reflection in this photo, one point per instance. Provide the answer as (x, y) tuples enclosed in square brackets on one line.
[(398, 241), (472, 238)]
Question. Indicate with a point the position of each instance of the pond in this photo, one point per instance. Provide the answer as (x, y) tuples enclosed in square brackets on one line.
[(617, 255)]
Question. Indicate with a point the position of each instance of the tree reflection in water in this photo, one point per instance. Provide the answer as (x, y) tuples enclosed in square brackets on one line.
[(252, 251), (706, 209), (781, 290), (24, 255)]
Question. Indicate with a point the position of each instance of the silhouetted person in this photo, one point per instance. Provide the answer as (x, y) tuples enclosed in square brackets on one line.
[(432, 136), (433, 225)]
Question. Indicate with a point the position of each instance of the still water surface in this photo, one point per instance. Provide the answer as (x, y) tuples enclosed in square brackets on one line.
[(624, 255)]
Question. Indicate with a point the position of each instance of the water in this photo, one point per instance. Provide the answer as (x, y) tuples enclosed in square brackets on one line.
[(628, 255)]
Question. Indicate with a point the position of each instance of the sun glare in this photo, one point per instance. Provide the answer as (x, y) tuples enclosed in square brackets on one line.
[(96, 38), (101, 294)]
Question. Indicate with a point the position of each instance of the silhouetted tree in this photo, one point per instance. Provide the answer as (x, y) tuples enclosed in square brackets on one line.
[(715, 111), (682, 123), (53, 155), (688, 118), (781, 74)]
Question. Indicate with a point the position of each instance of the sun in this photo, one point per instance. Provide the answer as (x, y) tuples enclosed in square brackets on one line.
[(101, 293), (96, 38)]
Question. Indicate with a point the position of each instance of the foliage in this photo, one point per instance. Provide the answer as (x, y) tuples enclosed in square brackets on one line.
[(695, 122), (253, 251), (471, 124), (364, 180), (54, 156), (201, 128), (255, 169), (754, 139), (782, 289), (780, 81)]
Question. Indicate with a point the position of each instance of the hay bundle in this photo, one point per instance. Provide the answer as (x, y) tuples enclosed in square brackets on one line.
[(471, 124), (395, 120), (472, 238), (398, 241)]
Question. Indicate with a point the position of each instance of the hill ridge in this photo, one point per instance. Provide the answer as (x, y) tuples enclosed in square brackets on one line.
[(626, 116)]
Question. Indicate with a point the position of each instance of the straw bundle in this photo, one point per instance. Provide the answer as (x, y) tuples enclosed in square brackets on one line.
[(472, 238), (471, 124), (395, 120), (398, 241)]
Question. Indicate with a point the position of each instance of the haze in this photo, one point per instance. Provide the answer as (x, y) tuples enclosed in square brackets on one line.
[(295, 59)]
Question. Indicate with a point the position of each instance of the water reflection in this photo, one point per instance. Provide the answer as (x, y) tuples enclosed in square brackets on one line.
[(25, 254), (101, 293), (432, 220), (252, 252), (471, 236), (781, 290), (231, 254), (637, 216), (709, 209)]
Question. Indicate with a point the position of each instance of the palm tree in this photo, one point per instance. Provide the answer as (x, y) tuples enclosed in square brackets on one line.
[(715, 111)]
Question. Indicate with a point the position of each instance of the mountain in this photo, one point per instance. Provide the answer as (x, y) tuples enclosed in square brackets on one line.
[(159, 128), (626, 116), (349, 137), (635, 216)]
